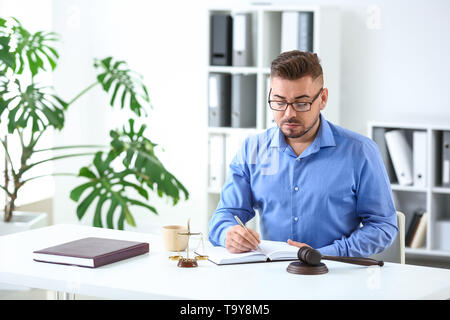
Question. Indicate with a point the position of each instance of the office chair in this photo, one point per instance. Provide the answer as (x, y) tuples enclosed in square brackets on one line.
[(396, 252)]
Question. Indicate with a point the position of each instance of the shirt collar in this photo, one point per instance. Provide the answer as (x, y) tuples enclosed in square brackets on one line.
[(325, 133), (324, 138)]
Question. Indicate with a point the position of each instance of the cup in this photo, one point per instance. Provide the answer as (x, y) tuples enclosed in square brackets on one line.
[(173, 241)]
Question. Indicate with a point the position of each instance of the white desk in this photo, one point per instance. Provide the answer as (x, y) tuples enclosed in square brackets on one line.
[(154, 276)]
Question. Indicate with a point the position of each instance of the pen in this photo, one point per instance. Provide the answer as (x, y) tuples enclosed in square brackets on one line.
[(243, 226)]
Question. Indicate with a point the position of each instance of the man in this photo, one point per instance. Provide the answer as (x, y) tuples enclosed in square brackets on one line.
[(313, 182)]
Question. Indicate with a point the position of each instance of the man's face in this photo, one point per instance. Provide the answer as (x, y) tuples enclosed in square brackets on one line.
[(292, 123)]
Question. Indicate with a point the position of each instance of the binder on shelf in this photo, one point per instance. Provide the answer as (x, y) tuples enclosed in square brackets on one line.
[(219, 97), (297, 31), (443, 235), (413, 226), (221, 40), (378, 137), (242, 39), (216, 177), (418, 239), (270, 121), (306, 26), (420, 158), (446, 159), (401, 155), (243, 101)]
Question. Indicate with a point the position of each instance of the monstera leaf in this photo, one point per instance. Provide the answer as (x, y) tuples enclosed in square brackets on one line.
[(140, 157), (35, 107), (118, 80), (7, 59), (29, 106), (32, 49), (109, 188), (141, 172)]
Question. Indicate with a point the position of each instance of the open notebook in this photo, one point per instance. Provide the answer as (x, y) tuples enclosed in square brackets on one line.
[(269, 251)]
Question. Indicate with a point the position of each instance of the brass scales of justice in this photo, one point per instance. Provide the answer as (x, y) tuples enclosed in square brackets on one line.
[(189, 262)]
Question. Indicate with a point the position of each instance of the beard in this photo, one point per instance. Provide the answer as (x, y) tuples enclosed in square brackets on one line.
[(298, 131)]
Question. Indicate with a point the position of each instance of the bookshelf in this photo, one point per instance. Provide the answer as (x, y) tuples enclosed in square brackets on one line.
[(433, 197), (266, 35)]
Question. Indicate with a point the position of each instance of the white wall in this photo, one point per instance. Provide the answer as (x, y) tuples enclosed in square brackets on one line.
[(395, 64), (394, 67), (399, 72), (166, 44)]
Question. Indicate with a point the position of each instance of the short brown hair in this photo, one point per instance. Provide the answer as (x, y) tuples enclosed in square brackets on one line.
[(295, 64)]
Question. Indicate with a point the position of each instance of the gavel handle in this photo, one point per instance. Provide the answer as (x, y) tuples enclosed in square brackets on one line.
[(354, 260)]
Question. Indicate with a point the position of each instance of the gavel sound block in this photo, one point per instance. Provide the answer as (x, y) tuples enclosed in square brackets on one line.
[(309, 262)]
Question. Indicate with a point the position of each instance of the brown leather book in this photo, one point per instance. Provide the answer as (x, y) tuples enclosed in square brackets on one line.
[(91, 252)]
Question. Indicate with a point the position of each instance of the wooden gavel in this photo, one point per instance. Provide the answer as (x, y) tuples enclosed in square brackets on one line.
[(313, 257)]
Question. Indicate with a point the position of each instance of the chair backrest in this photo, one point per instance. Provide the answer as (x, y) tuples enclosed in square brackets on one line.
[(396, 252)]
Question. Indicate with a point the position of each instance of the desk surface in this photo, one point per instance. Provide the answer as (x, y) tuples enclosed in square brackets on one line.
[(154, 276)]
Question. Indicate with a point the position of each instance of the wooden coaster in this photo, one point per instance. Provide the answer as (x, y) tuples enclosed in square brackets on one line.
[(298, 267), (187, 263)]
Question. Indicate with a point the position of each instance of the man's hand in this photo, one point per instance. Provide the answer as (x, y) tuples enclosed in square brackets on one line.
[(297, 244), (240, 240)]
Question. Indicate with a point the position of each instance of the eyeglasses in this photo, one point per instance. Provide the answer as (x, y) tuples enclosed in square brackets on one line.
[(298, 106)]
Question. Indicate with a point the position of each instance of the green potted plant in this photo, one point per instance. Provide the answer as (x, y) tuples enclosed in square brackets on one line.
[(121, 175)]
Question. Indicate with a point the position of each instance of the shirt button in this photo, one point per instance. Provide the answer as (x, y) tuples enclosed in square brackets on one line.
[(298, 159), (295, 219), (296, 188)]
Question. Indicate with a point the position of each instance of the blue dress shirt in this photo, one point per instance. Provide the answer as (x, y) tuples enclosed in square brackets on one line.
[(335, 197)]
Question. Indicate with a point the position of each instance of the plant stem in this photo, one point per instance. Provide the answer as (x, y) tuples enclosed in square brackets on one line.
[(7, 156), (57, 158), (33, 141), (7, 192), (21, 138), (82, 93), (72, 147), (51, 174)]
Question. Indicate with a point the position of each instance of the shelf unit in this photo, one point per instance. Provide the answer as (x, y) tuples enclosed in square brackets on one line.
[(266, 28), (434, 198)]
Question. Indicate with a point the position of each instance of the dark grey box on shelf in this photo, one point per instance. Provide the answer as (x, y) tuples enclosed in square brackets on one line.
[(221, 40)]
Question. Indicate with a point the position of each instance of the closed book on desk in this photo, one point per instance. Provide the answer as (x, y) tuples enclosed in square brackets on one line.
[(91, 252), (270, 251)]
